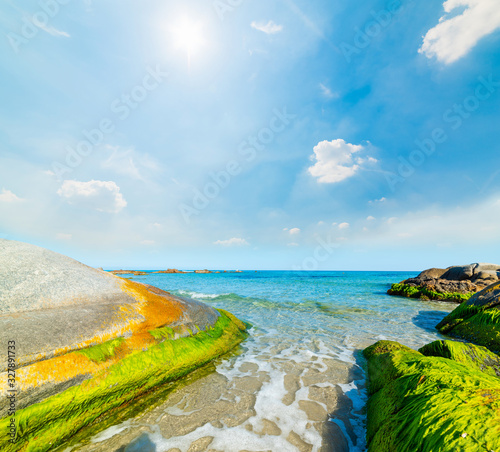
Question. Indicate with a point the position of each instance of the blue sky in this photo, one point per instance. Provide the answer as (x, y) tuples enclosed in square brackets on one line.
[(252, 134)]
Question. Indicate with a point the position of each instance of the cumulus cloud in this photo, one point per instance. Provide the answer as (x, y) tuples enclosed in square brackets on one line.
[(294, 231), (8, 196), (270, 28), (100, 195), (336, 161), (370, 218), (455, 36), (232, 242), (344, 226)]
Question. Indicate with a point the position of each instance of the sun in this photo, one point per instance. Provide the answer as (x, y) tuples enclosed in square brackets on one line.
[(187, 35)]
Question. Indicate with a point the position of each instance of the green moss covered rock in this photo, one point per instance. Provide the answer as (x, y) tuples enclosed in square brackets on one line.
[(430, 403), (424, 292), (477, 320), (473, 356)]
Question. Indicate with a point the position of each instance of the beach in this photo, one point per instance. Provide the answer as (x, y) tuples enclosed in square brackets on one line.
[(296, 384)]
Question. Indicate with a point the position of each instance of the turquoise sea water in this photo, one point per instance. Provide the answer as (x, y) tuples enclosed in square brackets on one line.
[(301, 361)]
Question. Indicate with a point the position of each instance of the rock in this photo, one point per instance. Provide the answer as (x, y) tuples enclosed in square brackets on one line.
[(170, 270), (128, 272), (432, 273), (485, 275), (477, 320), (471, 355), (203, 271), (429, 403), (458, 273), (455, 284), (486, 267), (87, 341)]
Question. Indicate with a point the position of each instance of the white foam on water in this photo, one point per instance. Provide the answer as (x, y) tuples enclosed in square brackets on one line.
[(111, 431), (268, 406), (199, 295), (358, 396)]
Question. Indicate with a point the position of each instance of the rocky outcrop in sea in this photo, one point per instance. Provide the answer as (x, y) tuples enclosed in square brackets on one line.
[(79, 343), (454, 284)]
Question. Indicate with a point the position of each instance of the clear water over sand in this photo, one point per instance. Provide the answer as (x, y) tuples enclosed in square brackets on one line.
[(297, 383)]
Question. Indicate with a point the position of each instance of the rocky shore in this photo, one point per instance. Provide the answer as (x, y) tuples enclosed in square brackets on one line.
[(83, 343), (446, 396), (454, 284)]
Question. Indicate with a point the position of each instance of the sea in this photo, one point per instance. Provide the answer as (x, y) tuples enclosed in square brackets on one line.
[(298, 383)]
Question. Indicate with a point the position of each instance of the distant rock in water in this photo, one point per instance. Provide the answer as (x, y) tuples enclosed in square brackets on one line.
[(455, 284), (170, 270), (85, 342), (477, 320), (128, 272)]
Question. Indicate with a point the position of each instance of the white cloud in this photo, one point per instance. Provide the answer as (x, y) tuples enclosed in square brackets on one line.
[(370, 218), (232, 242), (49, 28), (293, 244), (270, 28), (294, 231), (377, 200), (327, 92), (455, 36), (95, 194), (8, 196), (129, 162), (344, 226), (336, 161)]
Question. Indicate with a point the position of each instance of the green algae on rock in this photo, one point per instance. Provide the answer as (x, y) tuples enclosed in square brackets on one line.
[(477, 320), (45, 425), (471, 355), (424, 293), (455, 284), (429, 403)]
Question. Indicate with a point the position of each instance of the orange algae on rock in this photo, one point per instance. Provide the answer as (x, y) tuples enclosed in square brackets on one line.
[(158, 309)]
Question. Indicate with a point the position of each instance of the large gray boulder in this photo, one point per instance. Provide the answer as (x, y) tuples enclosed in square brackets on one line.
[(86, 342), (462, 279), (50, 303)]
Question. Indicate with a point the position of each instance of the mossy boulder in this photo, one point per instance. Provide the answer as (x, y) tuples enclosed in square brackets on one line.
[(454, 284), (426, 292), (85, 342), (466, 353), (477, 320), (430, 403)]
